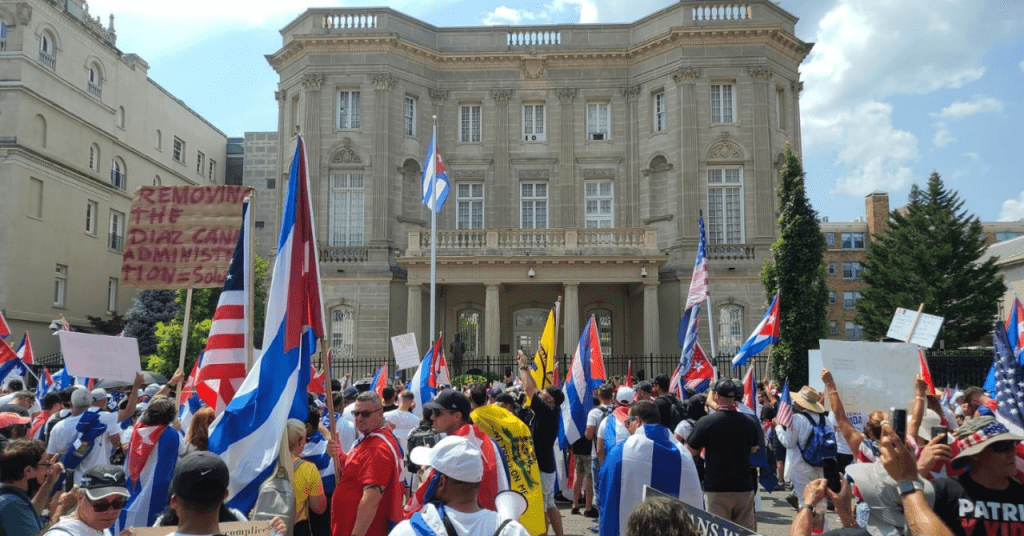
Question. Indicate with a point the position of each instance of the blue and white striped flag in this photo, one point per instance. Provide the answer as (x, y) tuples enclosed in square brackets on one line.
[(586, 373), (315, 451)]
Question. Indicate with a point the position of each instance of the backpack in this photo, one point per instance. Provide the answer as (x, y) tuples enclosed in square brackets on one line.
[(419, 437), (277, 497), (821, 444), (677, 412)]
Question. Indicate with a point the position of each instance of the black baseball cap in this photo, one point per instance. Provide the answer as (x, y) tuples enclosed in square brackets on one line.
[(645, 386), (729, 387), (350, 392), (103, 481), (201, 477), (450, 399)]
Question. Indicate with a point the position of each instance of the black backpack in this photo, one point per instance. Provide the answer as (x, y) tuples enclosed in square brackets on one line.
[(422, 436), (678, 411)]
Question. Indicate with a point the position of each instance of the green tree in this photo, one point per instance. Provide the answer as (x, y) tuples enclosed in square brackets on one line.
[(107, 327), (796, 271), (150, 307), (929, 254)]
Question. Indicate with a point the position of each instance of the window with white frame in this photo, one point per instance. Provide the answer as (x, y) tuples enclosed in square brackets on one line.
[(348, 109), (469, 205), (850, 299), (112, 285), (725, 205), (118, 173), (409, 115), (470, 325), (469, 123), (212, 172), (343, 333), (832, 297), (117, 224), (599, 204), (60, 285), (533, 122), (851, 270), (831, 268), (723, 103), (853, 241), (598, 121), (730, 328), (833, 327), (659, 111), (830, 240), (91, 211), (854, 331), (603, 320), (200, 160), (178, 152), (47, 55), (533, 203), (95, 85), (94, 157), (346, 209)]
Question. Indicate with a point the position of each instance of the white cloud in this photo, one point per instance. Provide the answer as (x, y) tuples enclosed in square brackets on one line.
[(503, 15), (1013, 209), (252, 11), (972, 156), (558, 11), (960, 110), (943, 137)]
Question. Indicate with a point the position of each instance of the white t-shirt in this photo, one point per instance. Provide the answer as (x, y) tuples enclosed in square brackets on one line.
[(404, 421), (68, 524), (841, 446), (347, 433), (594, 419), (64, 434), (683, 429), (347, 413), (482, 522)]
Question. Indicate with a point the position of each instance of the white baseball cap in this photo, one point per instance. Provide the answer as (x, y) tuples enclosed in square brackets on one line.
[(625, 395), (453, 456)]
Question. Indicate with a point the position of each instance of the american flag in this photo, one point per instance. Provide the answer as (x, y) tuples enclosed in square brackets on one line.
[(675, 386), (784, 415), (224, 358), (1009, 389), (115, 399), (698, 293)]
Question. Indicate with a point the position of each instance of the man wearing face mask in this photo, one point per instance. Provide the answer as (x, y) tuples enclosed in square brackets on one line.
[(25, 469)]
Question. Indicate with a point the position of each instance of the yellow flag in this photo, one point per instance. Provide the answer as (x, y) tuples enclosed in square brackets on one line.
[(544, 360), (516, 442)]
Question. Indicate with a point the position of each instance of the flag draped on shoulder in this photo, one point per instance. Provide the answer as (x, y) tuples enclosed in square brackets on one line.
[(247, 434), (152, 456), (435, 180), (586, 373), (223, 368), (424, 380), (766, 333), (544, 359), (698, 293)]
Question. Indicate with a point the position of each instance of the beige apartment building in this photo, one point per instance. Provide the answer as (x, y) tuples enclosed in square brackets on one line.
[(81, 127), (580, 157)]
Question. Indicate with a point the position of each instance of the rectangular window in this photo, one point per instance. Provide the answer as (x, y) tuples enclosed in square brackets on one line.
[(833, 327), (117, 222), (598, 121), (35, 199), (780, 106), (533, 205), (348, 110), (91, 210), (200, 160), (850, 299), (533, 122), (851, 270), (346, 209), (112, 294), (723, 102), (469, 123), (409, 114), (830, 240), (832, 297), (178, 152), (725, 206), (469, 206), (659, 112), (599, 202), (853, 240), (212, 173), (854, 331), (60, 285), (1006, 235), (831, 268)]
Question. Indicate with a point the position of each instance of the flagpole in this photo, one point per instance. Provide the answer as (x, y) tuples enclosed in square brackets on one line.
[(554, 342), (250, 284), (433, 231), (325, 366), (184, 329)]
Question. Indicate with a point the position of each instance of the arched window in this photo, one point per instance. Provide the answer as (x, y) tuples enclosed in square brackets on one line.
[(603, 319), (118, 173), (730, 329), (159, 140), (343, 330), (157, 181), (39, 130), (47, 54), (120, 116), (95, 85), (471, 327), (94, 157)]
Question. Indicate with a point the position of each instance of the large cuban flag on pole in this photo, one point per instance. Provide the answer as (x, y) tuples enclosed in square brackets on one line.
[(248, 434), (586, 373), (766, 333)]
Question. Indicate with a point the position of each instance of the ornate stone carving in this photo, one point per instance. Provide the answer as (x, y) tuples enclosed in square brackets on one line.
[(797, 87), (631, 92), (657, 165), (534, 173), (383, 81), (281, 96), (346, 154), (759, 73), (470, 174), (565, 94), (599, 173), (312, 82), (438, 96), (534, 68), (725, 150), (725, 135), (686, 75), (24, 13), (501, 95)]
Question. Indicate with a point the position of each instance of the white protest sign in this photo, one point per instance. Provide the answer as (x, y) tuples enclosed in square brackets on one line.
[(100, 356), (871, 375), (407, 355), (925, 331), (814, 366), (237, 528)]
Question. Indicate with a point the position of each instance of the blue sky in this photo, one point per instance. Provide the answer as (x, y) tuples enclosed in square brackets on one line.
[(894, 89)]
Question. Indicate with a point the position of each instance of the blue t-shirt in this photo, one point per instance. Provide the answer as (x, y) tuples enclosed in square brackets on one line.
[(17, 515)]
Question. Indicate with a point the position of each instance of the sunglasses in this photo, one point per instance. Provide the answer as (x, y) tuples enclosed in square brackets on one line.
[(366, 414), (1003, 446), (103, 506), (631, 420)]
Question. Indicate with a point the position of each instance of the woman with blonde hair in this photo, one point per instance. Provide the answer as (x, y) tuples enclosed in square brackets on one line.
[(198, 436), (309, 488)]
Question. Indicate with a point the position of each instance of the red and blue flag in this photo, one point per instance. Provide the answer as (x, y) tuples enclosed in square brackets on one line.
[(586, 373), (766, 333)]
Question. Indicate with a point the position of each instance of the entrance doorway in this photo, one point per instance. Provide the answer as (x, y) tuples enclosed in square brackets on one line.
[(527, 327)]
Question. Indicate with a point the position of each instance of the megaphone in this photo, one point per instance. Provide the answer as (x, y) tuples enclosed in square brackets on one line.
[(510, 504)]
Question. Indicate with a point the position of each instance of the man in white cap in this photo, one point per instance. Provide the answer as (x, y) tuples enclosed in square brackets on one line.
[(460, 466), (612, 429), (101, 496), (807, 414)]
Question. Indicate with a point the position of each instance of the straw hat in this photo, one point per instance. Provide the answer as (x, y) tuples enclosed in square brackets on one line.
[(808, 399)]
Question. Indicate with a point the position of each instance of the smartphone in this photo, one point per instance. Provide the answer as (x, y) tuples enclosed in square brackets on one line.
[(899, 423), (830, 467), (941, 432), (69, 480)]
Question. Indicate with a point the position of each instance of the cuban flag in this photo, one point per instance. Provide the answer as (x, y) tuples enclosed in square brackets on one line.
[(648, 458), (152, 456), (317, 382), (424, 382), (1014, 329), (189, 402), (46, 385), (766, 333), (5, 330), (435, 180), (248, 433), (24, 350), (315, 451), (748, 404), (11, 366), (63, 379), (701, 373), (586, 373), (380, 380), (690, 321)]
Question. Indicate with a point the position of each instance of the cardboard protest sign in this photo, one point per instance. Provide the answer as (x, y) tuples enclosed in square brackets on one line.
[(814, 366), (707, 524), (925, 331), (100, 356), (871, 375), (181, 236), (407, 355), (238, 528)]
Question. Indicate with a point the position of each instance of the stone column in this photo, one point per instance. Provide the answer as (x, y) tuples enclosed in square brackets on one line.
[(630, 184), (571, 314), (652, 322), (565, 209), (795, 140), (689, 190), (414, 314), (380, 220), (501, 209), (761, 176), (273, 221), (311, 84), (492, 320)]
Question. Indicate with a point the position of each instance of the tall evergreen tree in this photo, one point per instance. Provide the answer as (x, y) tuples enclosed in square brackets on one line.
[(797, 272), (929, 255), (150, 307)]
